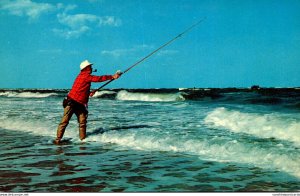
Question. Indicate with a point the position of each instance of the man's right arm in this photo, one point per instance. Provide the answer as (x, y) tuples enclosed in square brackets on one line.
[(101, 78)]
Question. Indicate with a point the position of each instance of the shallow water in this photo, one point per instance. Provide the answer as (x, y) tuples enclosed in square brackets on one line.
[(153, 146)]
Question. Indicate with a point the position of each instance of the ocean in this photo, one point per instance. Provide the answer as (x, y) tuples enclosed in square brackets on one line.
[(153, 140)]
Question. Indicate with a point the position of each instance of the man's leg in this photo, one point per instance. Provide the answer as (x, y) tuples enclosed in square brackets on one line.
[(82, 120), (68, 112)]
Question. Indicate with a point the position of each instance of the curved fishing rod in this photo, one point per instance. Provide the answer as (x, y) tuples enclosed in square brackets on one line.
[(150, 54)]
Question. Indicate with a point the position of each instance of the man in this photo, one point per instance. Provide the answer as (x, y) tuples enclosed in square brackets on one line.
[(77, 99)]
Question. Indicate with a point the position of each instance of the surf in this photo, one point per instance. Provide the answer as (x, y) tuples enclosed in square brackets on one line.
[(214, 150), (205, 131), (26, 94), (152, 137), (153, 97), (271, 125)]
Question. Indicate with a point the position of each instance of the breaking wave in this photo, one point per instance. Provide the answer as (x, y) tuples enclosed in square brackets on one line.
[(163, 97), (231, 151), (274, 125), (105, 94), (147, 138), (27, 94), (36, 127), (288, 98)]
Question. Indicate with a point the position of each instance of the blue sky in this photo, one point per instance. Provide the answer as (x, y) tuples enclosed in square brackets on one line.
[(241, 43)]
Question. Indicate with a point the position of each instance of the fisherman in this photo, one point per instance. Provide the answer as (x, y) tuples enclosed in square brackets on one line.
[(77, 99)]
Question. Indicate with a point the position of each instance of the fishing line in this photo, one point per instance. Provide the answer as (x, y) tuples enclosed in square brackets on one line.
[(150, 54)]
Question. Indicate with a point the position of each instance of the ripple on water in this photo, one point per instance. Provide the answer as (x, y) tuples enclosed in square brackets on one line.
[(10, 179)]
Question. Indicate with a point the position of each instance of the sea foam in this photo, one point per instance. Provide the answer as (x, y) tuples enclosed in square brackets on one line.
[(232, 151), (26, 94), (163, 97), (104, 92), (153, 139), (37, 127), (273, 125)]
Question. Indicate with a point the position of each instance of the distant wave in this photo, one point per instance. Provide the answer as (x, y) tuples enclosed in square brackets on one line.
[(125, 95), (27, 94), (105, 94), (260, 125), (289, 97)]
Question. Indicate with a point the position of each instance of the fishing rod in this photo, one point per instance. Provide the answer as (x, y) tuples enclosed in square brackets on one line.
[(150, 54)]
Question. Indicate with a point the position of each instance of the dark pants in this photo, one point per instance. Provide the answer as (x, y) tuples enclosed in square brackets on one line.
[(81, 114)]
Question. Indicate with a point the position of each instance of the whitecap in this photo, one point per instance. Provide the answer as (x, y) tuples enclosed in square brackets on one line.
[(155, 97)]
